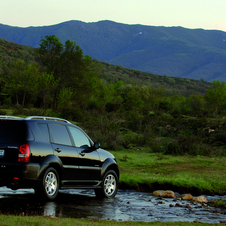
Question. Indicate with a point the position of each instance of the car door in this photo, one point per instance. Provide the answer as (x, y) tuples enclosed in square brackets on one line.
[(64, 148), (89, 160)]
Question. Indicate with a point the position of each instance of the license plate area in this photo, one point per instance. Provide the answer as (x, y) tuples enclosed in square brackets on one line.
[(2, 153)]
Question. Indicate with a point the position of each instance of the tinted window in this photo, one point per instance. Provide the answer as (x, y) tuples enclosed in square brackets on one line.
[(30, 135), (59, 134), (44, 129), (79, 137), (13, 131)]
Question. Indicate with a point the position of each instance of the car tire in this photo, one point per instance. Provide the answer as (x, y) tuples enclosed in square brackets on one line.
[(109, 185), (49, 187)]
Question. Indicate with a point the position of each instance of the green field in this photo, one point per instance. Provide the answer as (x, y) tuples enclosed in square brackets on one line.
[(143, 170)]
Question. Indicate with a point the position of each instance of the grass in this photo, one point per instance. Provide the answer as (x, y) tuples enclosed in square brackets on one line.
[(141, 169), (221, 203), (44, 221)]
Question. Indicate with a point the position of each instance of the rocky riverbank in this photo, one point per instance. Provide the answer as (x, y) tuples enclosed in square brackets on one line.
[(143, 187)]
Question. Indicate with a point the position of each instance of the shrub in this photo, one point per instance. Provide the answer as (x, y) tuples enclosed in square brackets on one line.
[(184, 145), (2, 112), (218, 138), (7, 102), (71, 113), (133, 120), (34, 112), (176, 113), (158, 145), (131, 139), (105, 129)]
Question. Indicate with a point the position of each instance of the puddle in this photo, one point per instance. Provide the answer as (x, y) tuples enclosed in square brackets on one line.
[(126, 206)]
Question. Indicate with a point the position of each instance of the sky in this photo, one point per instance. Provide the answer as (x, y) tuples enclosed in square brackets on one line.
[(206, 14)]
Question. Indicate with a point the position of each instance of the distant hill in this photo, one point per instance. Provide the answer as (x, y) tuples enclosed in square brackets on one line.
[(172, 51)]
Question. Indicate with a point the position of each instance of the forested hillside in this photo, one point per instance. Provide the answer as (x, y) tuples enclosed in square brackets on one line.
[(120, 107), (172, 51), (10, 51)]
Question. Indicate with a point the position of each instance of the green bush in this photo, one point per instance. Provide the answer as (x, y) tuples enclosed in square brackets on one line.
[(133, 120), (184, 145), (71, 113), (2, 112), (173, 149), (104, 129), (218, 138), (131, 139), (7, 102), (158, 145)]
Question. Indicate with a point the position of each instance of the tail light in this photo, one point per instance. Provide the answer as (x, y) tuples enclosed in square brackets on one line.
[(24, 153)]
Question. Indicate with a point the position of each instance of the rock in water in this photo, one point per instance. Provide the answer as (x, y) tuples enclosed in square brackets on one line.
[(200, 199)]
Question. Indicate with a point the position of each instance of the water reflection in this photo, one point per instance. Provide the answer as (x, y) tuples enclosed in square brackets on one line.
[(50, 209)]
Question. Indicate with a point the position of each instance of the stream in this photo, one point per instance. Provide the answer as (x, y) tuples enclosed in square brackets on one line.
[(128, 205)]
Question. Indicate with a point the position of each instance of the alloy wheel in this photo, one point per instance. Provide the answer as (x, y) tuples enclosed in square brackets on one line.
[(109, 185), (50, 183)]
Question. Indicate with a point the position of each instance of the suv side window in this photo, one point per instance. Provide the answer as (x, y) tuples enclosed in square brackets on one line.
[(80, 139), (44, 128), (59, 134), (30, 135)]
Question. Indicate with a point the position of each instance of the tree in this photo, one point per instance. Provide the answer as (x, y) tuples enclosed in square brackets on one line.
[(216, 96), (49, 52), (22, 80), (29, 81), (47, 85), (195, 102), (132, 96), (70, 68), (13, 80)]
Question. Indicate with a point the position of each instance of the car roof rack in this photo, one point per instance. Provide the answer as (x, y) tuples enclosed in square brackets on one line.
[(47, 118)]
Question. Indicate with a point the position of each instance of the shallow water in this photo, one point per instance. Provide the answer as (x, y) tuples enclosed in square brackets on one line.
[(126, 206)]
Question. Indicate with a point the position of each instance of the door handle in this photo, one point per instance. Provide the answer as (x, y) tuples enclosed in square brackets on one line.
[(82, 153), (57, 150)]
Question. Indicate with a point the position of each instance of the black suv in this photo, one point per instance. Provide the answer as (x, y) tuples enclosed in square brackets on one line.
[(49, 154)]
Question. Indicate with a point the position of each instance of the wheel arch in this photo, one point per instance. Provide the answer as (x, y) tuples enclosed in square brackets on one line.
[(50, 161), (110, 164)]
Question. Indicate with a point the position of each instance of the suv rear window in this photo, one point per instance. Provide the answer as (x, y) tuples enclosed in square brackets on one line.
[(12, 131)]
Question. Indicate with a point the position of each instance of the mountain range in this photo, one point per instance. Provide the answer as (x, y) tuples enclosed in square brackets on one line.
[(171, 51)]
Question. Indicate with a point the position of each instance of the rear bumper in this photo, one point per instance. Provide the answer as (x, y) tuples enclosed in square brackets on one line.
[(19, 175)]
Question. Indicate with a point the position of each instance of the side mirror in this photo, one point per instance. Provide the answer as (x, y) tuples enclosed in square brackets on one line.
[(96, 145), (86, 147)]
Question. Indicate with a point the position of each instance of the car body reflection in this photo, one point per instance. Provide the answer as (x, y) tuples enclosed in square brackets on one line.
[(51, 210)]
